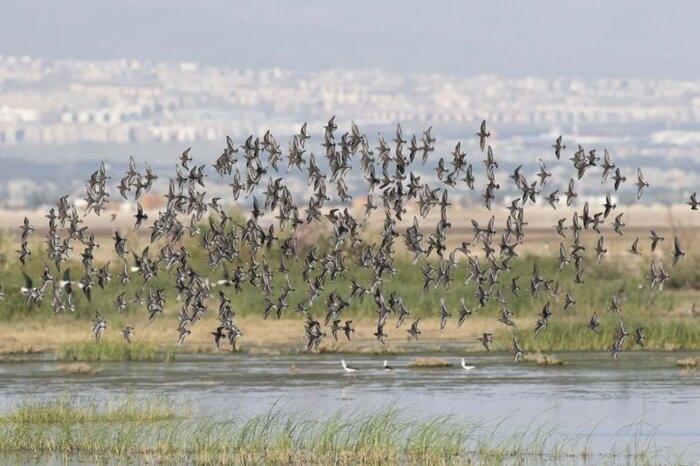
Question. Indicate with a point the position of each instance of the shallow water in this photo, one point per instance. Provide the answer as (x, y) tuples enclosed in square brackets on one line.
[(591, 392)]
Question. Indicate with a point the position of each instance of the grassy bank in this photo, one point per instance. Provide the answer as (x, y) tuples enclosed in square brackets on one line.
[(157, 343), (668, 317), (616, 272), (386, 436), (569, 335)]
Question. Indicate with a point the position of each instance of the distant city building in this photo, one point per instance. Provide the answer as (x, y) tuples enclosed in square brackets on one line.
[(654, 124)]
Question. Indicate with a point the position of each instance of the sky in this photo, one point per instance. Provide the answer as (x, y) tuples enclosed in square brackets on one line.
[(572, 38)]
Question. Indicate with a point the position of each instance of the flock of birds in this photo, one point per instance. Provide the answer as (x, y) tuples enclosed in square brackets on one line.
[(392, 186)]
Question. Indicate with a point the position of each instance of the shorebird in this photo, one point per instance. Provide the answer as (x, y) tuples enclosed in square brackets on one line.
[(414, 331), (641, 184), (183, 332), (568, 301), (463, 312), (465, 367), (140, 216), (558, 146), (483, 134), (128, 333), (348, 369), (517, 351), (486, 339), (98, 327), (677, 251), (25, 230), (218, 335), (614, 306), (593, 323), (634, 249), (655, 239), (607, 165), (347, 329), (387, 367), (444, 314)]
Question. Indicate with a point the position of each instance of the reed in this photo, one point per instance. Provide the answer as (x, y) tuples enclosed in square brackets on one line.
[(65, 410), (569, 335)]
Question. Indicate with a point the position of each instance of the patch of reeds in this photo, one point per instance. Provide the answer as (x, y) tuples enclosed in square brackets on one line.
[(570, 335), (65, 411)]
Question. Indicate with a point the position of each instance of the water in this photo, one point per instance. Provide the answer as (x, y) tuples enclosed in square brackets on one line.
[(591, 392)]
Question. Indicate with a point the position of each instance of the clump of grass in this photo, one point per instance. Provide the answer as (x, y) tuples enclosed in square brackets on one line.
[(543, 359), (77, 368), (66, 411), (113, 351), (688, 363), (429, 362)]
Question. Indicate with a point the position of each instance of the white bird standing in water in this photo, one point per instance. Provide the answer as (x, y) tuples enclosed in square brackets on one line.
[(465, 367), (348, 369), (387, 367)]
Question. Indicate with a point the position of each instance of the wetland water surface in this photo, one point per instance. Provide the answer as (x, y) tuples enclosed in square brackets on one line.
[(589, 393)]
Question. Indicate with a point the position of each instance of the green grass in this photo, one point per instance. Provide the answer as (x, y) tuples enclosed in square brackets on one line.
[(657, 311), (602, 279), (569, 335), (66, 411), (149, 431), (104, 351)]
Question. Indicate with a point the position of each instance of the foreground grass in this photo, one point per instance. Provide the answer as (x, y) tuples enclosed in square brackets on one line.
[(150, 431)]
